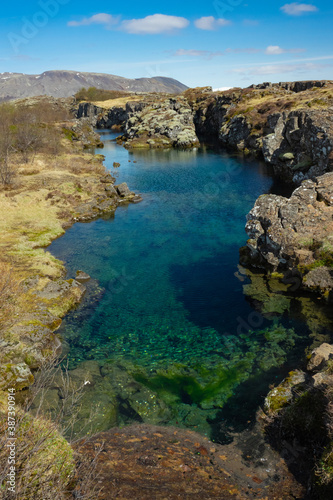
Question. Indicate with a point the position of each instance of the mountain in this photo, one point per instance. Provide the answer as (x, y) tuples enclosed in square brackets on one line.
[(67, 83)]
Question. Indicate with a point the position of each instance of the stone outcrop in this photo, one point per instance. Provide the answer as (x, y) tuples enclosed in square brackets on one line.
[(152, 122), (104, 118), (292, 86), (300, 144), (81, 130), (320, 357), (162, 125), (292, 134), (295, 234), (298, 421)]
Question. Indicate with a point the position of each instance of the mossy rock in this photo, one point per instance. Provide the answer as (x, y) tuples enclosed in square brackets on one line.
[(282, 395), (303, 165), (44, 456), (287, 156), (15, 375)]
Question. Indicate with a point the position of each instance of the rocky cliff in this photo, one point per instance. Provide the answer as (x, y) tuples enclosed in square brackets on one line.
[(149, 121), (289, 125), (162, 125), (295, 234), (298, 422)]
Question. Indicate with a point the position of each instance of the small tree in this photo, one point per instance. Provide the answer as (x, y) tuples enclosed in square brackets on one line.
[(27, 133), (6, 143)]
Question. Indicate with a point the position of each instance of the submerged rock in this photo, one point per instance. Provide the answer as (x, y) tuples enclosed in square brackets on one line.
[(82, 277), (165, 462)]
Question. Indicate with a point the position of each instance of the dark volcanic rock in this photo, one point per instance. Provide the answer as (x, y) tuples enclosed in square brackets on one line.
[(293, 134), (292, 86), (300, 144), (298, 421), (100, 117)]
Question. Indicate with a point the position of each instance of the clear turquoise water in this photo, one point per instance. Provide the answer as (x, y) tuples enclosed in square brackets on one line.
[(172, 305)]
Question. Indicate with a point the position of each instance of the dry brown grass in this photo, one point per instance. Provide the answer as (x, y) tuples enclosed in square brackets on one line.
[(117, 103), (9, 289), (46, 466), (32, 207), (258, 104)]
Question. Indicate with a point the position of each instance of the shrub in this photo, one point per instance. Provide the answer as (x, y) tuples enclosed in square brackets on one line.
[(94, 94), (46, 465)]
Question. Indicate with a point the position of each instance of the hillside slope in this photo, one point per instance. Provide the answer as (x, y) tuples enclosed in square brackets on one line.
[(67, 83)]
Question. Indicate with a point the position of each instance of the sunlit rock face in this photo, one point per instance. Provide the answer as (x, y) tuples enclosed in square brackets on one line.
[(295, 234)]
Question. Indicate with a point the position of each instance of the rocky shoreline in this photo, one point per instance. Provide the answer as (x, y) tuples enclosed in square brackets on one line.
[(289, 125), (287, 237), (294, 236), (43, 295)]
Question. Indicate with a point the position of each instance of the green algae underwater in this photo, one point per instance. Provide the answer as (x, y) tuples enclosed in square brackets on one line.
[(173, 328)]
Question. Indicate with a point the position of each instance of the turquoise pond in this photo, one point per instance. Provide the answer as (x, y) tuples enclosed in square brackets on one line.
[(169, 302)]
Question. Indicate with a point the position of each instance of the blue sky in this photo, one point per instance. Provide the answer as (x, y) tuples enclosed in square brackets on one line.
[(221, 43)]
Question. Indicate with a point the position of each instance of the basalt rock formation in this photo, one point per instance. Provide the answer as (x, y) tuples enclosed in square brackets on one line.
[(300, 144), (289, 125), (162, 125), (298, 421), (150, 122), (293, 86), (295, 234)]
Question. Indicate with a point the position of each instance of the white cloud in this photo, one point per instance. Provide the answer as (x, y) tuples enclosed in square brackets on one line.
[(210, 23), (155, 24), (248, 50), (197, 53), (297, 61), (105, 19), (273, 50), (298, 9), (273, 69)]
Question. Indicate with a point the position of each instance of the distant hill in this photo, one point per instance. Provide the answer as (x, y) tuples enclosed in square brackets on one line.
[(67, 83)]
